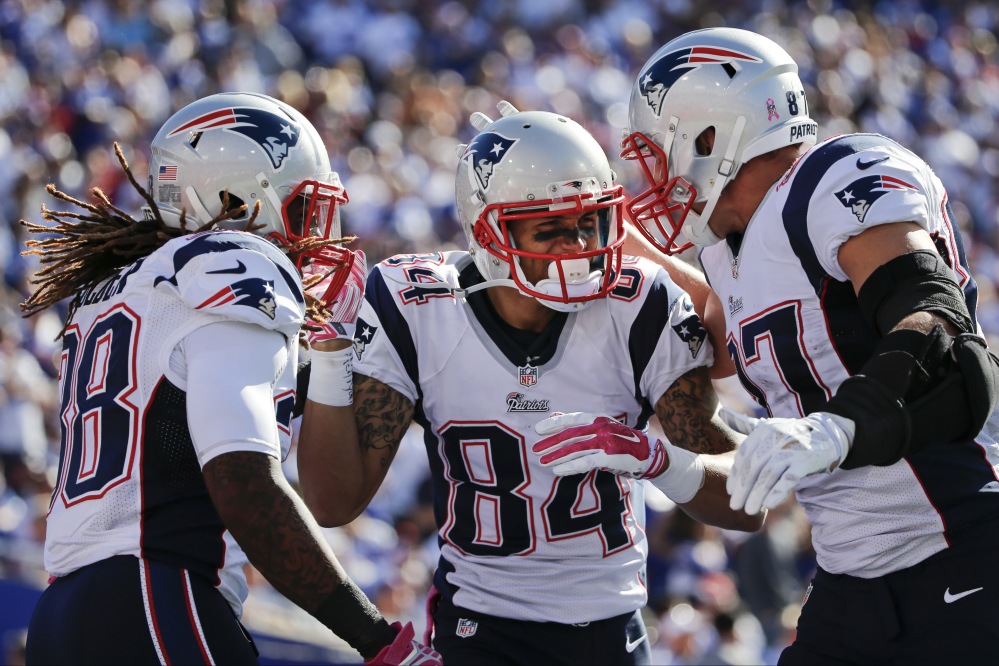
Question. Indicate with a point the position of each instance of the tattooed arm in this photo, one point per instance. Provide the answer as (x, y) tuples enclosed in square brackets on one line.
[(273, 526), (687, 414), (344, 453)]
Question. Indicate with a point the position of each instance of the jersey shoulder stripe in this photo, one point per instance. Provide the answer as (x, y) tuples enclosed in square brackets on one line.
[(663, 303), (805, 180), (232, 275), (391, 322)]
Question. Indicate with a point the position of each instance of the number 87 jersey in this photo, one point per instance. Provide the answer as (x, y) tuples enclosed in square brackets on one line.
[(517, 541), (796, 332)]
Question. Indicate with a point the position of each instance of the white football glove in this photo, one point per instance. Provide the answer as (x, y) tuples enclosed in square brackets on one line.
[(347, 286), (738, 421), (405, 651), (779, 453), (578, 442)]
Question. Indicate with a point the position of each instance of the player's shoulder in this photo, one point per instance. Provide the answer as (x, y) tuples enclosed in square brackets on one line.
[(852, 166), (443, 265), (416, 278), (234, 275), (642, 278)]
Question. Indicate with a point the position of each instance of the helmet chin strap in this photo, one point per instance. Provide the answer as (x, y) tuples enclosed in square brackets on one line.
[(199, 208), (579, 281), (695, 227)]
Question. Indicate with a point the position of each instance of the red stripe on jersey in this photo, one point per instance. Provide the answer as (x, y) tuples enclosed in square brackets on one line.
[(147, 587), (192, 615)]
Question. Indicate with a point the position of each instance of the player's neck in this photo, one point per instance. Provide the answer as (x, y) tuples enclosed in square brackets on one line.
[(519, 311)]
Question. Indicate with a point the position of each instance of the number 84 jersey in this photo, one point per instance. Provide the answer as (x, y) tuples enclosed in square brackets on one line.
[(517, 541)]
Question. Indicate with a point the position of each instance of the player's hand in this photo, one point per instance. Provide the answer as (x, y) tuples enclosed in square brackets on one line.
[(738, 421), (405, 651), (578, 442), (342, 291), (779, 453)]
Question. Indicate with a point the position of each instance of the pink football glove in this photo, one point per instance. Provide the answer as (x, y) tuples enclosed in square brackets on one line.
[(578, 442), (342, 291), (405, 651)]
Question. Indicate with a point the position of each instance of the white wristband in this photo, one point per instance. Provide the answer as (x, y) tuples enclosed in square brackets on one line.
[(684, 476), (331, 381)]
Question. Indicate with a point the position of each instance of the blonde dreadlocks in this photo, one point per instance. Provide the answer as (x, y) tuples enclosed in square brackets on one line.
[(85, 248)]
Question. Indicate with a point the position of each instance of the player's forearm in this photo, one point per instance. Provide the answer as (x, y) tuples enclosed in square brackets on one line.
[(337, 478), (711, 503), (280, 538), (273, 526)]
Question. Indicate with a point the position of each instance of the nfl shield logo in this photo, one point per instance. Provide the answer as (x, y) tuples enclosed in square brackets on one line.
[(528, 375), (466, 628)]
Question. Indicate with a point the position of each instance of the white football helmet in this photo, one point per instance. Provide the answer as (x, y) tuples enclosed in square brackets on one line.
[(737, 82), (530, 163), (256, 148)]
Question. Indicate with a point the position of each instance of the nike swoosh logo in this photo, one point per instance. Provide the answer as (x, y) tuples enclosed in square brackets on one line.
[(240, 267), (631, 645), (867, 164), (951, 598)]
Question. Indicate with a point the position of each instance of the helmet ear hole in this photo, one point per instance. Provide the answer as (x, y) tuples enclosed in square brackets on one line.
[(234, 201), (705, 142)]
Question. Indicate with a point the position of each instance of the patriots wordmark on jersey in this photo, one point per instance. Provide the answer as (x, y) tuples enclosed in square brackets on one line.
[(796, 333), (130, 478), (516, 540)]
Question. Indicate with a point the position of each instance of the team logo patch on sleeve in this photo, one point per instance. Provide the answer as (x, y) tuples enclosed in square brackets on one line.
[(691, 331), (251, 292), (365, 334), (861, 194)]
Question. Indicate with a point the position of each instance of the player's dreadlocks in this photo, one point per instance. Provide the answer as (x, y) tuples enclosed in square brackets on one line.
[(85, 248)]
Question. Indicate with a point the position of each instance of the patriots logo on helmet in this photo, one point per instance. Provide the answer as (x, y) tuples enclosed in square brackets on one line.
[(275, 134), (484, 152), (692, 332), (656, 81), (252, 292), (861, 194)]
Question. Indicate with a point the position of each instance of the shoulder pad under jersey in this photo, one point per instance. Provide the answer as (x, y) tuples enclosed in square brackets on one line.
[(237, 276)]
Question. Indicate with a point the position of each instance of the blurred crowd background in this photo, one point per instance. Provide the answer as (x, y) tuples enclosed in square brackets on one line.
[(390, 85)]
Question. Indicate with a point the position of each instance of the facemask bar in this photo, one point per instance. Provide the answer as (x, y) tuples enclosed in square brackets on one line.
[(565, 268), (312, 210), (659, 211)]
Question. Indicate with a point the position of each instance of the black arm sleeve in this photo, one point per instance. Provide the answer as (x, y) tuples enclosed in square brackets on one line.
[(302, 388), (917, 389)]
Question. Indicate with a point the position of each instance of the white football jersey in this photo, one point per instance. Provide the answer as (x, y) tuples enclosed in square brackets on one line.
[(516, 540), (796, 333), (129, 481)]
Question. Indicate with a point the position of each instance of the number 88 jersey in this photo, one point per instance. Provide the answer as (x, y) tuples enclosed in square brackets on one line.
[(130, 479), (517, 541)]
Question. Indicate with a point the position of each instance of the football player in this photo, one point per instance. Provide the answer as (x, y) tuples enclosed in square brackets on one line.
[(178, 381), (542, 560), (850, 316)]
